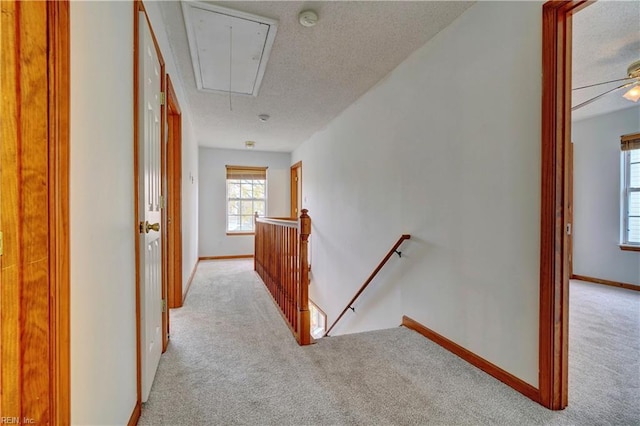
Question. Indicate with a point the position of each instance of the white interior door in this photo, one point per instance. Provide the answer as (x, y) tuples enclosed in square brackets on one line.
[(149, 204)]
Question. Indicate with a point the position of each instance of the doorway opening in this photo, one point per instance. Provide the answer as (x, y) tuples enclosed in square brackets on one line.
[(554, 209), (296, 189)]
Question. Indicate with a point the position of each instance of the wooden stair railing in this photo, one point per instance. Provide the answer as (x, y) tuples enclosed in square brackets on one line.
[(394, 250), (281, 260)]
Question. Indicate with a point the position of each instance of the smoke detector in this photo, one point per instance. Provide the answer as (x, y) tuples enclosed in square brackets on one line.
[(308, 18)]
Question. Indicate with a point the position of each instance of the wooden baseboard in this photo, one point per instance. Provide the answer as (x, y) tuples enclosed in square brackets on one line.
[(606, 282), (507, 378), (188, 286), (135, 416), (233, 256)]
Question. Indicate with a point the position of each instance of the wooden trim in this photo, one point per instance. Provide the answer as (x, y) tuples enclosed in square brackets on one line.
[(493, 370), (290, 223), (59, 162), (634, 287), (554, 242), (137, 7), (296, 170), (236, 234), (164, 219), (34, 181), (135, 415), (287, 223), (189, 281), (174, 198), (172, 99), (570, 207), (228, 257), (140, 7), (627, 247)]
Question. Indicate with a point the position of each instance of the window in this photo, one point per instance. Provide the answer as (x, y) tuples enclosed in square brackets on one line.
[(246, 195), (318, 320), (630, 145)]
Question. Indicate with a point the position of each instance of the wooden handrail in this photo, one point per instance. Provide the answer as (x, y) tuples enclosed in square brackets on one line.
[(281, 260), (394, 250), (291, 223)]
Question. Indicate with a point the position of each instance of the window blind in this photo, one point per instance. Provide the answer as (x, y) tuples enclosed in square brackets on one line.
[(247, 173), (629, 142)]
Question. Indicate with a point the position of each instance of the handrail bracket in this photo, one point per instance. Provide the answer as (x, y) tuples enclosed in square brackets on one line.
[(394, 249)]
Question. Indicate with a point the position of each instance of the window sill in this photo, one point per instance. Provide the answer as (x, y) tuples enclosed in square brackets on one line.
[(630, 247), (233, 234)]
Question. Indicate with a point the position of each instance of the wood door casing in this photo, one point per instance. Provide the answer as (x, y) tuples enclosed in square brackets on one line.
[(570, 208), (174, 198), (34, 183), (554, 212), (296, 189)]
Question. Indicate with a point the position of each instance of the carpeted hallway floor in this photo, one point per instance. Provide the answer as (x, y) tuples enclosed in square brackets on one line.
[(232, 360)]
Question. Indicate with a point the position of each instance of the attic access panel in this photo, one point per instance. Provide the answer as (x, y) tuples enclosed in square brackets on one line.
[(229, 49)]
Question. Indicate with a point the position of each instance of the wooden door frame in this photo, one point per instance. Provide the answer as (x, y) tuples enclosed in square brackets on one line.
[(294, 189), (174, 198), (554, 241), (35, 333), (138, 7), (570, 209)]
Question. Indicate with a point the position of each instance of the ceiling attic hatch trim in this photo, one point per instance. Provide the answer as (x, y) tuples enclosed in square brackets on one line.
[(229, 49)]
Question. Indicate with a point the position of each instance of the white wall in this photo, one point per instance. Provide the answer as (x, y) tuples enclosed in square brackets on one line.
[(189, 149), (103, 329), (212, 206), (446, 148), (596, 192)]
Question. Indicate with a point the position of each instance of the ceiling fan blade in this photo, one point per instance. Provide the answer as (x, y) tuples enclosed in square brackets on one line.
[(587, 102), (607, 82)]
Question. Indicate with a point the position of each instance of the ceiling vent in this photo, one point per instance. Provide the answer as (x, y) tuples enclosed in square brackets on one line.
[(229, 49)]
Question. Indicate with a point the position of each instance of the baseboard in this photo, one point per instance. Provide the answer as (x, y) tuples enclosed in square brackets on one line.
[(233, 256), (135, 416), (493, 370), (606, 282), (188, 286)]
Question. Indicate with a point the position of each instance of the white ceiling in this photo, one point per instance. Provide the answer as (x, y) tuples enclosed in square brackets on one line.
[(606, 39), (313, 74)]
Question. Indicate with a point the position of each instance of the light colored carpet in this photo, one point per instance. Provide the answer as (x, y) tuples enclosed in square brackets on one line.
[(232, 360)]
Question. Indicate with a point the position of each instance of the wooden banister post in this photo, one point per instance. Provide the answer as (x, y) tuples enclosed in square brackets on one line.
[(255, 241), (304, 320)]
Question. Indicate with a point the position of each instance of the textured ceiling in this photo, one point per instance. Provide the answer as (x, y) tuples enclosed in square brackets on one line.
[(606, 39), (313, 74)]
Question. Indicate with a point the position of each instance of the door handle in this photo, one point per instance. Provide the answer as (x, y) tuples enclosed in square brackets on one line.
[(145, 227)]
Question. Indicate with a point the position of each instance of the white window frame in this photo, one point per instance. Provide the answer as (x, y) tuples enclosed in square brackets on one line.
[(627, 189), (228, 199)]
